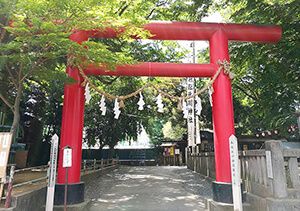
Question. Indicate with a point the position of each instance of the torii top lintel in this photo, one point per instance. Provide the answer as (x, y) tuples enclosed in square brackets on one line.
[(197, 31), (181, 31)]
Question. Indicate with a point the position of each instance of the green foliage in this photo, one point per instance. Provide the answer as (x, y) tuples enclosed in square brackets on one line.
[(173, 132), (267, 84), (107, 130), (175, 10), (35, 45)]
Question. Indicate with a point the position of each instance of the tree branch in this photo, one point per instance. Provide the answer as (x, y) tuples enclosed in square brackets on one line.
[(33, 68), (2, 33), (7, 102), (151, 12), (123, 9), (156, 6), (107, 82), (245, 92), (12, 77)]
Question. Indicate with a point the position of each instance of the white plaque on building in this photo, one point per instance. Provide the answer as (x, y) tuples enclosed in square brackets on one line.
[(5, 142)]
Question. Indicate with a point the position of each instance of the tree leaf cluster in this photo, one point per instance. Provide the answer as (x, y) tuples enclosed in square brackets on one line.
[(267, 85)]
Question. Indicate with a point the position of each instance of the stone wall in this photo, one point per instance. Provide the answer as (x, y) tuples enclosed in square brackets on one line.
[(270, 176)]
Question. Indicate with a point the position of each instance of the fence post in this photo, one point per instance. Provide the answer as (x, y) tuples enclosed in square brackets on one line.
[(102, 163), (294, 172), (95, 163), (186, 157), (279, 177), (195, 151), (84, 166), (180, 159)]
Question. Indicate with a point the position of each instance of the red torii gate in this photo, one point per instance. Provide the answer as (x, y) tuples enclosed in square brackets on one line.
[(218, 35)]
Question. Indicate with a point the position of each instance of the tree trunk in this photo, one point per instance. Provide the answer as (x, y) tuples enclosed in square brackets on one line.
[(15, 124), (100, 151), (111, 152)]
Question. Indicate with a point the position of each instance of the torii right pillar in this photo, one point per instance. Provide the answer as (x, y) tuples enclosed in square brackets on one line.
[(223, 119)]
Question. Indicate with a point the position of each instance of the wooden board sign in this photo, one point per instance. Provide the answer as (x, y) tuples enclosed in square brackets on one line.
[(5, 143)]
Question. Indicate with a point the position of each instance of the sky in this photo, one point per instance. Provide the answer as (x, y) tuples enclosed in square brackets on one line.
[(200, 45)]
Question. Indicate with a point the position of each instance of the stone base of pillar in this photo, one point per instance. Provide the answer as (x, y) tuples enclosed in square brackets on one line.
[(222, 192), (75, 193)]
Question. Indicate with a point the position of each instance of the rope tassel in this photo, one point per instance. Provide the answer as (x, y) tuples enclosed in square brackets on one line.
[(122, 104)]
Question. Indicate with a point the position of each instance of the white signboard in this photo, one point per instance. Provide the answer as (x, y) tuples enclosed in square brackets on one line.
[(177, 151), (5, 142), (67, 158), (52, 173), (198, 136), (269, 164), (3, 158), (191, 115), (53, 161), (235, 174)]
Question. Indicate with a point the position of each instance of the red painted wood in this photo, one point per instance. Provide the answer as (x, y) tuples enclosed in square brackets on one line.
[(71, 129), (72, 122), (199, 31), (223, 116), (218, 35), (156, 69)]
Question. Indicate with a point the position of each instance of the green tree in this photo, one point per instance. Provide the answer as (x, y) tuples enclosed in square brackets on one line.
[(267, 84), (35, 39)]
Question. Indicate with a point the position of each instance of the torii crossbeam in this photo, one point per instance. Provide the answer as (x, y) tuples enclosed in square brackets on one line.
[(218, 35)]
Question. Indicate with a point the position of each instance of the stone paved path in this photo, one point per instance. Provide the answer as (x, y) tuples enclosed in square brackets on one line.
[(148, 188)]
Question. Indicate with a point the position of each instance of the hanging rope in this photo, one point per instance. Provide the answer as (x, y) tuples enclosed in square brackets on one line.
[(223, 65)]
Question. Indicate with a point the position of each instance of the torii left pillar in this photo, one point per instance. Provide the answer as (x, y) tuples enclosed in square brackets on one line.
[(71, 135)]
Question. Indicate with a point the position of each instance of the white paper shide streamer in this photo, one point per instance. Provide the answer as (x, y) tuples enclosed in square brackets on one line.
[(198, 105), (87, 94), (210, 92), (141, 102), (103, 105), (159, 104), (117, 111), (185, 110)]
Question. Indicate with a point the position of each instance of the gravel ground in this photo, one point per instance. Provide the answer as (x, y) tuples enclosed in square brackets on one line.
[(148, 188)]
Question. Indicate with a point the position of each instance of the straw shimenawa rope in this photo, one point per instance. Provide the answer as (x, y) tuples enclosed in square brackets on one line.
[(223, 65)]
